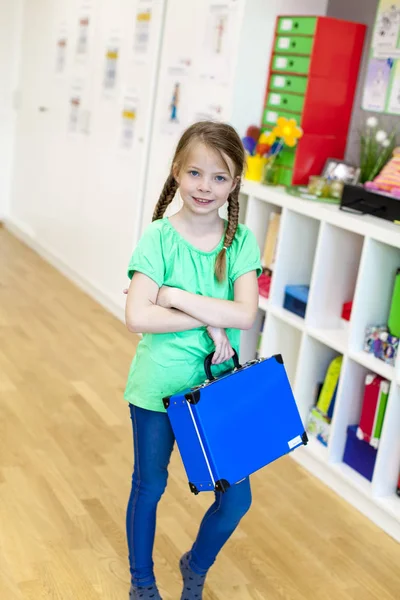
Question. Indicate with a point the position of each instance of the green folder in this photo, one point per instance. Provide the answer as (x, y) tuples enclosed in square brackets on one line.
[(380, 413), (394, 314)]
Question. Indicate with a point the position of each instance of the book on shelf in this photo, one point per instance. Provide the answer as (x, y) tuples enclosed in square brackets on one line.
[(271, 240)]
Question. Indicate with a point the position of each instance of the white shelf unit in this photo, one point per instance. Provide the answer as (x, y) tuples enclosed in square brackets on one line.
[(342, 257)]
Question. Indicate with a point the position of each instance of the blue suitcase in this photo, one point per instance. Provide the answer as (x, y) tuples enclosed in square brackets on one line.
[(231, 426)]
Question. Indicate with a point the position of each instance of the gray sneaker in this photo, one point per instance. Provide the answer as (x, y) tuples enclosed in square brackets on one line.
[(193, 583), (144, 593)]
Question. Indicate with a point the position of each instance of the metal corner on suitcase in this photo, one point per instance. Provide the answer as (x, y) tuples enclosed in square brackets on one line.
[(222, 485), (304, 438), (166, 402), (193, 488), (193, 397), (279, 358)]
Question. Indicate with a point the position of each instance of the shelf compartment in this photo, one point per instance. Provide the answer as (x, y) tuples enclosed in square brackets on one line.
[(387, 467), (281, 338), (349, 401), (376, 365), (287, 316), (333, 281), (314, 361), (354, 478), (374, 289), (293, 267), (257, 218), (337, 339)]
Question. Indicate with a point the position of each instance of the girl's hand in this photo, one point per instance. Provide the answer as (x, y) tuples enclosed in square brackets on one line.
[(223, 348)]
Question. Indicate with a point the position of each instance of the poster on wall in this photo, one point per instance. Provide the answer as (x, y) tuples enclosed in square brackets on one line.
[(75, 106), (78, 114), (176, 96), (382, 82), (84, 27), (385, 40), (112, 56), (394, 93), (129, 118), (376, 84), (141, 36), (61, 49), (219, 42)]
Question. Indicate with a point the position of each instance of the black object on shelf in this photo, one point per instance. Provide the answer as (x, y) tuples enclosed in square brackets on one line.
[(358, 200)]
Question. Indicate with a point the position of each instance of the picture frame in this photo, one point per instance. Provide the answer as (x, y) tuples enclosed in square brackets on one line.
[(339, 170)]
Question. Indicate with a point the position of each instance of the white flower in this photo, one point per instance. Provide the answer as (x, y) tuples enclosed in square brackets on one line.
[(381, 136), (386, 143), (372, 122)]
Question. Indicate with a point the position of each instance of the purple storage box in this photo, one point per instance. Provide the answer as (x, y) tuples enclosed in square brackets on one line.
[(359, 455)]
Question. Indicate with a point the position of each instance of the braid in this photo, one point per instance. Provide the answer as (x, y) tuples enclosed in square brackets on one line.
[(233, 220), (166, 197)]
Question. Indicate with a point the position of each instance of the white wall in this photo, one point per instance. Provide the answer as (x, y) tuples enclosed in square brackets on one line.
[(76, 197), (10, 23)]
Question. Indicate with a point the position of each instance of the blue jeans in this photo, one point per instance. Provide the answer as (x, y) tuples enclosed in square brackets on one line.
[(153, 441)]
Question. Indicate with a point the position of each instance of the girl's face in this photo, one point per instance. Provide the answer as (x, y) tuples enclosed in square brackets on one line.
[(204, 182)]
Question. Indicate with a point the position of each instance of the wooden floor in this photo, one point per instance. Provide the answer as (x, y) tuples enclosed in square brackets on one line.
[(65, 468)]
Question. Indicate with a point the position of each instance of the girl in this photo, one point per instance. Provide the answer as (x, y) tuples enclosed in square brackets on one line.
[(193, 288)]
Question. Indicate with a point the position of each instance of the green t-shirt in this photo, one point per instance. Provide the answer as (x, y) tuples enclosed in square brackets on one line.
[(167, 363)]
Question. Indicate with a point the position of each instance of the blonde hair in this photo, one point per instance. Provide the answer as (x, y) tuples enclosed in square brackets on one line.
[(222, 138)]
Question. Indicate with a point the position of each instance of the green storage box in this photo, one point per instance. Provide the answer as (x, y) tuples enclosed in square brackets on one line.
[(285, 176), (297, 25), (294, 44), (291, 64), (289, 83), (292, 102), (271, 115)]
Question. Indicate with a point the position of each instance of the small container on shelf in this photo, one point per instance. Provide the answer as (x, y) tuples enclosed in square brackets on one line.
[(359, 455), (255, 167), (319, 426), (346, 314), (381, 344), (296, 298), (320, 417), (264, 283)]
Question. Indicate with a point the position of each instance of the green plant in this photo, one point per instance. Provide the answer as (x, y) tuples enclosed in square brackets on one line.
[(376, 149)]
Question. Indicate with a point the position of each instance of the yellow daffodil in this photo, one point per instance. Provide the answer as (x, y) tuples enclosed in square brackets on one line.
[(288, 130), (267, 138)]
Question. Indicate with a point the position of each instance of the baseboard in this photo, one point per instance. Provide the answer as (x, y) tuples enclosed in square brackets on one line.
[(368, 506), (23, 233)]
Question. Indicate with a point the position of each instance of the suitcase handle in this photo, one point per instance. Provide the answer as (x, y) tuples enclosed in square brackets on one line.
[(207, 364)]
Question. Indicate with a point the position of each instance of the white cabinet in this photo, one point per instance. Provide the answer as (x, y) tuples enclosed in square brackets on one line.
[(341, 257)]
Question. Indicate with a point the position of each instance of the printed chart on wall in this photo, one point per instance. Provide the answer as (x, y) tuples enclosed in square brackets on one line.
[(129, 114), (84, 28), (141, 36), (382, 84), (176, 96), (112, 55), (219, 40), (78, 114), (61, 49)]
